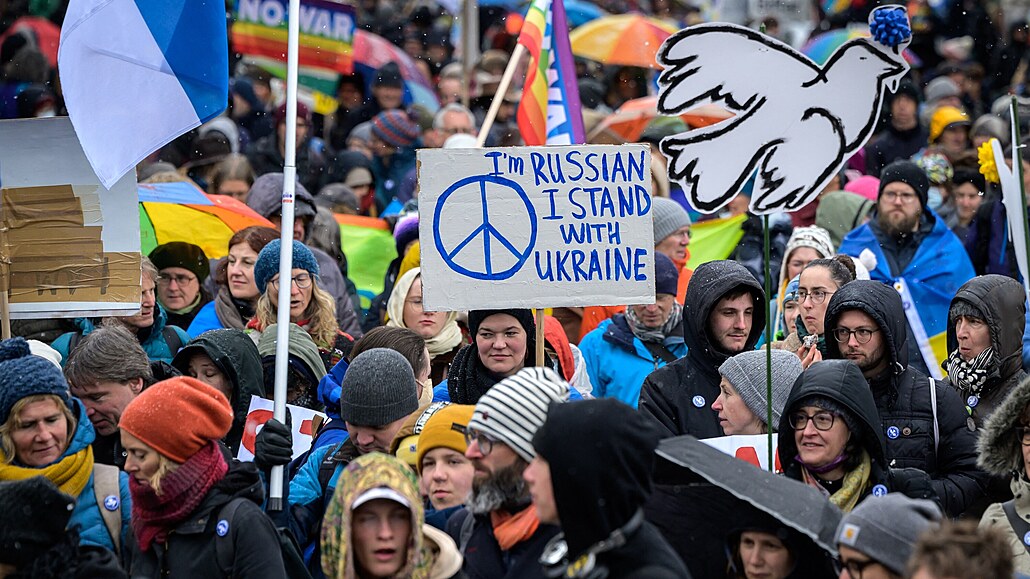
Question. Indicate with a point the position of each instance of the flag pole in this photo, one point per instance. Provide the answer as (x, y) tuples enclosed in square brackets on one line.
[(469, 47), (1017, 169), (282, 345), (540, 337), (502, 89), (5, 304)]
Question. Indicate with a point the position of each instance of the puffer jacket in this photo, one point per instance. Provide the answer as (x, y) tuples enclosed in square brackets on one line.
[(191, 549), (906, 406), (1001, 299), (152, 339), (1001, 454), (237, 357), (618, 362), (679, 396)]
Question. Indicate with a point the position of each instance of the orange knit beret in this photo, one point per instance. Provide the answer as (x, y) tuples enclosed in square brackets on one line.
[(177, 417)]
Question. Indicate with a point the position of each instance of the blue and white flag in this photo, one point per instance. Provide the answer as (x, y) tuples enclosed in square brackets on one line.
[(137, 74)]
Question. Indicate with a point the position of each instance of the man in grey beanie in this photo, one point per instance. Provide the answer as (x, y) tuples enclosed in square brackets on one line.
[(500, 446), (742, 402), (671, 229), (876, 539)]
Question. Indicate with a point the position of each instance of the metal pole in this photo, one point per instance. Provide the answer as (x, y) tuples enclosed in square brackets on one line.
[(469, 46), (768, 345)]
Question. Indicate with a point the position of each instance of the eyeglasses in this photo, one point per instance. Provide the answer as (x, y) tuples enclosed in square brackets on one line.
[(303, 281), (180, 280), (905, 197), (855, 568), (485, 442), (415, 303), (862, 335), (818, 296), (822, 420), (1023, 434)]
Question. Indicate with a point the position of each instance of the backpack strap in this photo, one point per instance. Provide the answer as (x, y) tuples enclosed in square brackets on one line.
[(933, 404), (109, 501), (1020, 526), (172, 339), (465, 535), (327, 467), (73, 343), (225, 550), (659, 351)]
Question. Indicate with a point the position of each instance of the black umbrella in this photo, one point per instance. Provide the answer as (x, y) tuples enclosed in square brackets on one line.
[(793, 503)]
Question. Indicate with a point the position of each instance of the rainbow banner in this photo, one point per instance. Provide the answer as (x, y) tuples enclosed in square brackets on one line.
[(369, 247), (549, 112), (326, 39)]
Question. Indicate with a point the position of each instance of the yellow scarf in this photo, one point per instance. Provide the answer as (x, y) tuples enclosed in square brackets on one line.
[(853, 488), (70, 474)]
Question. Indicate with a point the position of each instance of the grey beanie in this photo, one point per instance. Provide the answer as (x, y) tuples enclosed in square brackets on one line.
[(516, 407), (747, 372), (378, 388), (668, 216), (939, 88), (964, 308), (886, 528)]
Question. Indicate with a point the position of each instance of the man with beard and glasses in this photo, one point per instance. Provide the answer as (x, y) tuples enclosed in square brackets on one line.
[(499, 533), (915, 252)]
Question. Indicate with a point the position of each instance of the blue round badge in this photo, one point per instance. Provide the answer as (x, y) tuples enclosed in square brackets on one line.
[(111, 503), (893, 432), (699, 401), (972, 401), (879, 490), (1026, 538), (222, 528)]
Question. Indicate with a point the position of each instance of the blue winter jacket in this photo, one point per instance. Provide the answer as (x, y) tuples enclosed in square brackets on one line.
[(206, 319), (154, 343), (441, 394), (618, 362)]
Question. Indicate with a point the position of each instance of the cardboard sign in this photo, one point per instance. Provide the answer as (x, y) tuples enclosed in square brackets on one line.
[(525, 227), (260, 412), (753, 448), (72, 246), (796, 122)]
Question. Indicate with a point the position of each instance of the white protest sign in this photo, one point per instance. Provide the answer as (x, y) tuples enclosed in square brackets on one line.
[(524, 227), (260, 412), (753, 448)]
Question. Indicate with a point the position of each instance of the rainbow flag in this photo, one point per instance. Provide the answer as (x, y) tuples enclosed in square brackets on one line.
[(549, 112), (326, 39)]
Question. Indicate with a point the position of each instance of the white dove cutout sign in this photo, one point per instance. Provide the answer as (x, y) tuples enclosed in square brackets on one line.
[(535, 227), (796, 123)]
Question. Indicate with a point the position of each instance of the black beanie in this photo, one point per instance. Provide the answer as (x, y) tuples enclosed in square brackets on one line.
[(909, 173), (181, 254), (601, 455), (33, 517), (525, 318), (907, 89)]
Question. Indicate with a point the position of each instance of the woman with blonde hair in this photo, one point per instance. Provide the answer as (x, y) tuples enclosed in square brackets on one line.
[(311, 307)]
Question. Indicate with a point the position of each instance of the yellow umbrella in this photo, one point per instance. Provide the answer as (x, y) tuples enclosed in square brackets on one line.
[(625, 39)]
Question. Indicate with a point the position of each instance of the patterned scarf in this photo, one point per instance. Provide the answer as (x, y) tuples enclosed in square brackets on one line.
[(656, 335), (853, 488), (70, 474), (969, 377), (182, 491)]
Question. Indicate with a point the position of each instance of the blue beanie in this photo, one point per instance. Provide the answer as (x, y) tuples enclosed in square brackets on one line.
[(666, 278), (790, 293), (23, 374), (267, 265)]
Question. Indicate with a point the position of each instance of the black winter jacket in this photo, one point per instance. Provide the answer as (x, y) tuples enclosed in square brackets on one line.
[(679, 396), (190, 550), (905, 400), (484, 558)]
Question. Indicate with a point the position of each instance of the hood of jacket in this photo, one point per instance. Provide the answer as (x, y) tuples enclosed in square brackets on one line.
[(842, 382), (1001, 299), (601, 455), (1000, 452), (84, 433), (237, 357), (302, 348), (881, 303), (266, 197), (710, 282)]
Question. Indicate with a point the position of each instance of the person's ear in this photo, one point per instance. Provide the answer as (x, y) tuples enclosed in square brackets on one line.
[(136, 385)]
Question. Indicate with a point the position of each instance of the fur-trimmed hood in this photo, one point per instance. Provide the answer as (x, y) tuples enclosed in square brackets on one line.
[(1000, 452)]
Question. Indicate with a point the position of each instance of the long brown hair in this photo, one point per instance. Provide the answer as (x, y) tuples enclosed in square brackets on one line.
[(256, 237)]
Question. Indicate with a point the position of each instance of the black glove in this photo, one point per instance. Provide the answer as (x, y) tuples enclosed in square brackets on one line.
[(913, 483), (273, 446)]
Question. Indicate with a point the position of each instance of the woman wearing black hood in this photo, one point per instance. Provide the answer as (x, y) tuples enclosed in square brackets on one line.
[(503, 341), (229, 361)]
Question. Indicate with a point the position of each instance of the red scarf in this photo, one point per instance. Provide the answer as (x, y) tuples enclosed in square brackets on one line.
[(182, 490)]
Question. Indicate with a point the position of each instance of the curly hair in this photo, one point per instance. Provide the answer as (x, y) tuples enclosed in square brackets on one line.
[(320, 314)]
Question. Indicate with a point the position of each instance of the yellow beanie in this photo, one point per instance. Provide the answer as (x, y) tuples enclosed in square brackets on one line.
[(944, 117), (412, 258), (446, 428)]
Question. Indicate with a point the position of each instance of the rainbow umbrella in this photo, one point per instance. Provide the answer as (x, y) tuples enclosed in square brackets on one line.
[(624, 39), (372, 51), (181, 212), (821, 47), (630, 120)]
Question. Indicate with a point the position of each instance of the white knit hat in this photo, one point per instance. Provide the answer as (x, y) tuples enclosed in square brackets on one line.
[(516, 407)]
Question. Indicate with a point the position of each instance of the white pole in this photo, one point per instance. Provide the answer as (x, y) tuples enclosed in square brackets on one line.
[(282, 345)]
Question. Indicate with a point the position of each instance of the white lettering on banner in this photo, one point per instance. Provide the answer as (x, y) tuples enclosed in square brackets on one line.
[(536, 226), (315, 20)]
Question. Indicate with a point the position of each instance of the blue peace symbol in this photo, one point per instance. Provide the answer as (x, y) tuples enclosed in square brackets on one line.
[(486, 229)]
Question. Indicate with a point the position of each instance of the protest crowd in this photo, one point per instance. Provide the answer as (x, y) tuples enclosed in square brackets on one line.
[(890, 390)]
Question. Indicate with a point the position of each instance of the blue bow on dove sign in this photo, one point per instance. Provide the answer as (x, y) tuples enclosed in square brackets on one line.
[(796, 123)]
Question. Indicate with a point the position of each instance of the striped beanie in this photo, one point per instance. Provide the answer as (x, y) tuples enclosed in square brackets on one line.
[(395, 127), (516, 407)]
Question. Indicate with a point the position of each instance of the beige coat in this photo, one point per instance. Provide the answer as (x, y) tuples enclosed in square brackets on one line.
[(995, 517)]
